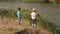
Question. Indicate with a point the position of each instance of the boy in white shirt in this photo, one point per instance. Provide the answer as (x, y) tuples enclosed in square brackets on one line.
[(33, 17)]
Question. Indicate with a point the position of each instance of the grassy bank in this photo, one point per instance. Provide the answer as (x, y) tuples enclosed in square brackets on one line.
[(42, 21), (35, 1)]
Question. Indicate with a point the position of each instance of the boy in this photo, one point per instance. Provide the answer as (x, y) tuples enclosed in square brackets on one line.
[(19, 15), (33, 17)]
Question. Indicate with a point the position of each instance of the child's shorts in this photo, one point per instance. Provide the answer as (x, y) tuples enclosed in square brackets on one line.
[(19, 19), (33, 21)]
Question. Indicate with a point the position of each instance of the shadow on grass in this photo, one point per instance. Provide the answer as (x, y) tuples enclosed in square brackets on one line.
[(22, 32), (27, 32)]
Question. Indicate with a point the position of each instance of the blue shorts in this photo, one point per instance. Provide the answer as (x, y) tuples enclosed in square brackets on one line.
[(33, 21)]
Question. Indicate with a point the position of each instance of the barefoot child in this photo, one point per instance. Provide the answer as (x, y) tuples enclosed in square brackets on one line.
[(33, 17), (19, 15)]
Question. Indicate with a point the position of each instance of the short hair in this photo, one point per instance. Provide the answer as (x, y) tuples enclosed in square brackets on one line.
[(34, 9), (18, 8)]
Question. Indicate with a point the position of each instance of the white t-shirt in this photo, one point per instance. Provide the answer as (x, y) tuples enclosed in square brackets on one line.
[(33, 15)]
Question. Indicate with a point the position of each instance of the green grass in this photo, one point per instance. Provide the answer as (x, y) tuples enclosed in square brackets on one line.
[(42, 20), (46, 24)]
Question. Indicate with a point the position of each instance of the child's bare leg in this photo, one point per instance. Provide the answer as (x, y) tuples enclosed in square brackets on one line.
[(19, 20), (33, 25)]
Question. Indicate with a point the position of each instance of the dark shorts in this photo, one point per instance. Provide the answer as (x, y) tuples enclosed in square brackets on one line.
[(33, 21), (19, 19)]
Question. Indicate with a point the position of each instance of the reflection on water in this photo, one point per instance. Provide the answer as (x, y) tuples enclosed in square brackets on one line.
[(44, 8)]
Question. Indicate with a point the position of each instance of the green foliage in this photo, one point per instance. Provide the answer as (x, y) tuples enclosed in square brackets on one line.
[(26, 13), (8, 12)]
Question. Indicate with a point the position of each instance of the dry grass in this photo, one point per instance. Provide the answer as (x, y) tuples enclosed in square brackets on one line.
[(10, 26)]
